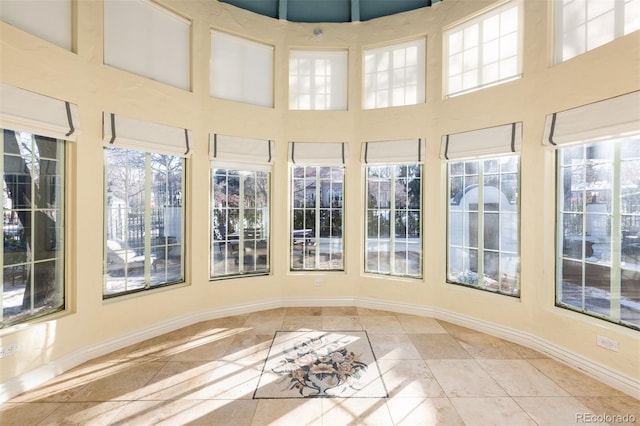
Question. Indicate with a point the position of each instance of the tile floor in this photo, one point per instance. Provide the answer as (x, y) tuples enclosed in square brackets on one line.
[(435, 373)]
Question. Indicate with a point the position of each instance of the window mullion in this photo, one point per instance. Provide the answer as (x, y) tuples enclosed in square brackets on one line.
[(147, 219), (32, 220), (241, 179), (392, 221), (583, 242), (316, 252), (616, 232), (480, 224)]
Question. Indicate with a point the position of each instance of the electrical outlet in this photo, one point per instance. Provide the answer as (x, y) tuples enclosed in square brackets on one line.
[(9, 350), (607, 343), (318, 283)]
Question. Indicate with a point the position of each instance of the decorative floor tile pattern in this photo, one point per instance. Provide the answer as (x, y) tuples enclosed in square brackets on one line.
[(433, 373), (320, 364)]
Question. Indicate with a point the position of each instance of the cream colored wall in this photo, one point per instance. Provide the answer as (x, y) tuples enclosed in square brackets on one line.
[(81, 78)]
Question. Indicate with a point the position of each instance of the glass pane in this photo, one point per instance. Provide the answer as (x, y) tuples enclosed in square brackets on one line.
[(492, 231)]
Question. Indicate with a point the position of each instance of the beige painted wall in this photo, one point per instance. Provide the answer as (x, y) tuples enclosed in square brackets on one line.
[(80, 77)]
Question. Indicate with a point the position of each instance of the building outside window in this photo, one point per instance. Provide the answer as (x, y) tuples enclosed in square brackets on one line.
[(598, 269), (393, 189), (317, 209), (37, 130), (240, 206), (394, 75), (484, 50), (318, 80), (583, 25)]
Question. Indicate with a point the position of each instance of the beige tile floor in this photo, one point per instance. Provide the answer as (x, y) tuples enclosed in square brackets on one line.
[(435, 373)]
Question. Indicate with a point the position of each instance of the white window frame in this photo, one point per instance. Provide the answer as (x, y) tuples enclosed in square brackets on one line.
[(620, 20), (469, 60), (393, 75), (318, 80)]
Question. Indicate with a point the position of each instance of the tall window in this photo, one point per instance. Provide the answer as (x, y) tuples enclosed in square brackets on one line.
[(240, 206), (318, 80), (144, 205), (598, 208), (33, 167), (483, 208), (240, 222), (485, 50), (582, 25), (33, 226), (394, 207), (598, 269), (317, 212), (394, 75), (483, 224)]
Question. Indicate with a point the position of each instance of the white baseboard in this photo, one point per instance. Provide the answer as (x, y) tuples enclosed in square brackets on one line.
[(37, 376)]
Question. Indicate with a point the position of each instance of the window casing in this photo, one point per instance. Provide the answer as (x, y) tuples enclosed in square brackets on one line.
[(394, 227), (394, 75), (240, 205), (484, 51), (483, 224), (583, 25), (33, 257), (598, 235), (144, 221), (318, 80), (317, 214)]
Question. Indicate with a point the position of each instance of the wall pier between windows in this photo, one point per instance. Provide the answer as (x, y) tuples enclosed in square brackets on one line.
[(36, 65)]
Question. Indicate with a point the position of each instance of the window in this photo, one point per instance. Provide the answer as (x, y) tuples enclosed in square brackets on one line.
[(598, 208), (49, 20), (394, 207), (598, 269), (483, 209), (240, 206), (318, 80), (582, 25), (144, 205), (317, 212), (146, 39), (483, 51), (394, 75), (33, 133), (241, 70), (33, 227)]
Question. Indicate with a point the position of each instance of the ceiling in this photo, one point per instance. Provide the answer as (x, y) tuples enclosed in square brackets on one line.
[(329, 10)]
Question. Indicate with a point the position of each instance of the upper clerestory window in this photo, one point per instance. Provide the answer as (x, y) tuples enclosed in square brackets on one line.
[(484, 50)]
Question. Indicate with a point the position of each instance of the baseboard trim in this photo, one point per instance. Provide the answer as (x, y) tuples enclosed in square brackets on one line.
[(39, 375)]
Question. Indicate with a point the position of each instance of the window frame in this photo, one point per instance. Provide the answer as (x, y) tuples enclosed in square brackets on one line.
[(479, 18), (62, 285), (504, 280), (240, 168), (392, 211), (148, 260), (559, 33), (369, 75), (614, 265), (311, 243)]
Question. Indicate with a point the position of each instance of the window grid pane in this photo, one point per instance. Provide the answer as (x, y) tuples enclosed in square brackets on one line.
[(598, 269), (483, 224), (240, 241), (394, 228), (33, 227), (144, 213), (317, 216), (317, 80), (483, 51)]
